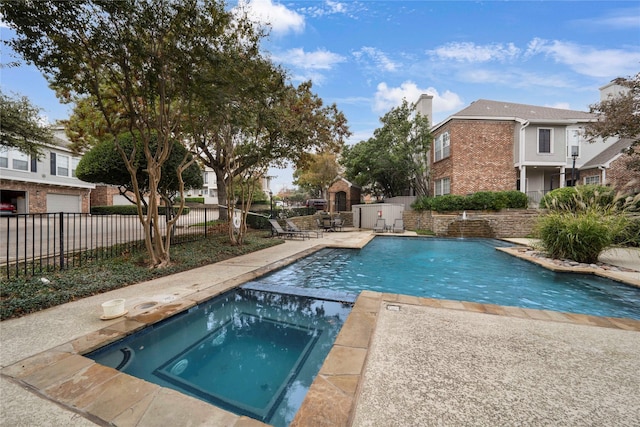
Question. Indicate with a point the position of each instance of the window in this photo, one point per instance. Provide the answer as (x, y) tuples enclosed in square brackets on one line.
[(205, 191), (62, 165), (14, 159), (442, 146), (4, 157), (442, 186), (74, 166), (20, 161), (574, 136), (205, 177), (544, 141), (595, 179)]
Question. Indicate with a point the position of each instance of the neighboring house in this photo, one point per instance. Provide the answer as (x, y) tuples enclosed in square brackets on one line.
[(209, 190), (497, 146), (610, 166), (47, 184), (342, 195)]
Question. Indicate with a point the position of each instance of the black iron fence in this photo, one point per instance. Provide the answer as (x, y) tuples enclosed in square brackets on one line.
[(35, 243)]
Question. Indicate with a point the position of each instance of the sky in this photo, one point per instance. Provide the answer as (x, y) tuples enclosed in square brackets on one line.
[(367, 56)]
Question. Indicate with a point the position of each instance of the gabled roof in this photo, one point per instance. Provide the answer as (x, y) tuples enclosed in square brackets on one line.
[(609, 154), (484, 108)]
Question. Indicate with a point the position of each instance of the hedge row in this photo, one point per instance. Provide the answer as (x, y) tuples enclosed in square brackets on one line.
[(482, 200), (126, 210)]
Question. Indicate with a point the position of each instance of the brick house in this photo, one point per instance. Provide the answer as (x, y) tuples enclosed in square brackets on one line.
[(342, 195), (47, 184), (498, 146), (611, 166)]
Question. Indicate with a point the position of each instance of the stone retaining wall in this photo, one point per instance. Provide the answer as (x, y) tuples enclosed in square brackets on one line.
[(506, 223)]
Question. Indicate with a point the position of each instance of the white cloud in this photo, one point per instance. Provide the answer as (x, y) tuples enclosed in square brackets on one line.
[(470, 52), (387, 97), (620, 19), (380, 59), (561, 105), (330, 7), (281, 19), (587, 60), (319, 60)]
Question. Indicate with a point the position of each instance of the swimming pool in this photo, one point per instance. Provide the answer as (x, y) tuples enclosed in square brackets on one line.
[(457, 269), (250, 352)]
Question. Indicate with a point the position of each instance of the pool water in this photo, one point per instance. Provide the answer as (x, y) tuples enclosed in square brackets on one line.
[(251, 352), (457, 269)]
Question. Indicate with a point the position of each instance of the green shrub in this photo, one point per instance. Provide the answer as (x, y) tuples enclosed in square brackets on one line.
[(579, 236), (127, 210), (516, 199), (579, 197), (194, 199), (630, 234), (448, 202), (482, 200)]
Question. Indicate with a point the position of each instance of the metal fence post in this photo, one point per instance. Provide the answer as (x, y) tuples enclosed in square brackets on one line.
[(61, 215)]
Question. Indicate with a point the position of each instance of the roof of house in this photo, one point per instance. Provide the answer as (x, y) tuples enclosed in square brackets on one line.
[(608, 154), (491, 109)]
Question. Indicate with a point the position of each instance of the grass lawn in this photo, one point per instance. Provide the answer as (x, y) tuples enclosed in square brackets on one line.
[(27, 295)]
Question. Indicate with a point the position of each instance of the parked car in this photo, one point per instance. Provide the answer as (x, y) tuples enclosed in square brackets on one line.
[(319, 204), (7, 209)]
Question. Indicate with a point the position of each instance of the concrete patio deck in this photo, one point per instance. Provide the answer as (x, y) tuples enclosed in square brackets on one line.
[(398, 360)]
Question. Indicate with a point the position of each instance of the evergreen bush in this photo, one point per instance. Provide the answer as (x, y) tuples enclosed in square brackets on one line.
[(482, 200)]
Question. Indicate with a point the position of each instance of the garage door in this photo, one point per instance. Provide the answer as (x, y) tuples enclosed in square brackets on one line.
[(63, 203)]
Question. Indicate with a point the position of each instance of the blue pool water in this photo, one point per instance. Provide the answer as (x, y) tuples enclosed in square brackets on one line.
[(251, 352), (256, 350), (457, 269)]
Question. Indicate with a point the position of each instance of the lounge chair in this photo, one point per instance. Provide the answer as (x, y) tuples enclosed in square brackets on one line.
[(291, 226), (381, 226), (398, 226), (280, 232)]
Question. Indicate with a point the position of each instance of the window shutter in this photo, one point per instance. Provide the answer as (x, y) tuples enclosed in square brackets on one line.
[(53, 163), (34, 165)]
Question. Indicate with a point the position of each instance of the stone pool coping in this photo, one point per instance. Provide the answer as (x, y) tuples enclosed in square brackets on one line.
[(105, 396)]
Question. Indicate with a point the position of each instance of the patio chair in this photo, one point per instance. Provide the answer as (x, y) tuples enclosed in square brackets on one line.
[(291, 226), (280, 232), (398, 226), (338, 223), (381, 226)]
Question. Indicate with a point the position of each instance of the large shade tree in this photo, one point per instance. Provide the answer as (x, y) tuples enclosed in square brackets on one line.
[(619, 116), (395, 158), (137, 54), (102, 164), (317, 175), (20, 125), (248, 119)]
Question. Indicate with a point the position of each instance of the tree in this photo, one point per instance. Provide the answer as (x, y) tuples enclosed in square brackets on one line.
[(255, 120), (21, 127), (103, 164), (319, 173), (395, 158), (619, 116), (138, 54)]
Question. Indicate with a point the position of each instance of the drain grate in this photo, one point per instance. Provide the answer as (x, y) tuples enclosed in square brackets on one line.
[(145, 305)]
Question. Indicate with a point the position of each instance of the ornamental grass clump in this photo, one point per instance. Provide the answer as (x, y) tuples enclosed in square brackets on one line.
[(584, 221), (579, 236)]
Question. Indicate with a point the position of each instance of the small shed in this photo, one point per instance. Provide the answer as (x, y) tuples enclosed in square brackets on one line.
[(365, 216), (343, 195)]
